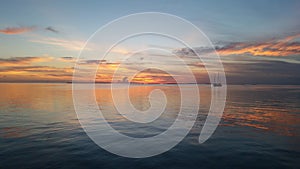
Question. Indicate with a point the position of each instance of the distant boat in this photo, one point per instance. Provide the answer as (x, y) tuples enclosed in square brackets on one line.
[(217, 81)]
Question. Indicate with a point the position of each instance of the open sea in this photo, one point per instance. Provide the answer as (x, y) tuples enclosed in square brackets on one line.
[(260, 128)]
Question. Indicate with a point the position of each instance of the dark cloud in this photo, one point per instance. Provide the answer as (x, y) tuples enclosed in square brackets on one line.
[(94, 62), (67, 58), (51, 29), (188, 52), (21, 61)]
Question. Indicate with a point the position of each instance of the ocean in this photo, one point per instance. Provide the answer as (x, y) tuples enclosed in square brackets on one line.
[(260, 128)]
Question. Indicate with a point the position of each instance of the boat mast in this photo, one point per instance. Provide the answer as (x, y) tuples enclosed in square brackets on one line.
[(214, 79)]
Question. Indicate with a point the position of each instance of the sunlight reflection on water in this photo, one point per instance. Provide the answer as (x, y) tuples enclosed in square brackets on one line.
[(38, 127)]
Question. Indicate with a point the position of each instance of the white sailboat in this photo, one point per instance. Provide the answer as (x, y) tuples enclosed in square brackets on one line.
[(217, 81)]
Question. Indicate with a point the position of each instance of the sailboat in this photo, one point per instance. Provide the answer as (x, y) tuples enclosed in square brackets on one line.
[(217, 82)]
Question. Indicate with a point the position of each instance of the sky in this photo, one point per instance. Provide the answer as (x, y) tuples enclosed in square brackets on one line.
[(258, 41)]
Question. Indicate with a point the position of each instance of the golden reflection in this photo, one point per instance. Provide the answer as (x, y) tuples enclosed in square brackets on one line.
[(37, 101), (139, 98), (277, 120), (12, 132)]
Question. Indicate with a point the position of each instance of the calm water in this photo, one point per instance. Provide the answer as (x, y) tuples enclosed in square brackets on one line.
[(260, 128)]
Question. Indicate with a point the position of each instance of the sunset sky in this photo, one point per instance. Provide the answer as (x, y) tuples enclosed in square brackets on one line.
[(258, 41)]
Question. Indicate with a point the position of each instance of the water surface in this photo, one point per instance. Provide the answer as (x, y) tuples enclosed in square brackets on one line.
[(259, 129)]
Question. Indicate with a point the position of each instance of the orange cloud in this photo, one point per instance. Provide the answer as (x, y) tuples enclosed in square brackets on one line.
[(16, 30), (36, 73), (153, 76), (281, 47), (287, 46), (59, 69), (30, 69)]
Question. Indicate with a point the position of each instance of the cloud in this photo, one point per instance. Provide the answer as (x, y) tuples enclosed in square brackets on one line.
[(47, 68), (67, 59), (94, 62), (67, 44), (24, 29), (187, 52), (36, 69), (277, 47), (17, 30), (21, 61), (51, 29), (281, 47), (35, 74)]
